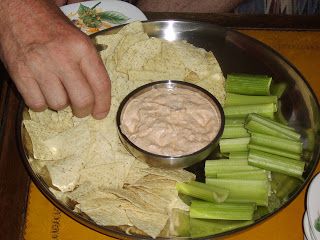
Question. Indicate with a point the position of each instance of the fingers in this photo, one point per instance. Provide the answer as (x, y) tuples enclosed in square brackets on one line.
[(95, 72), (55, 76), (53, 91), (79, 91), (29, 89)]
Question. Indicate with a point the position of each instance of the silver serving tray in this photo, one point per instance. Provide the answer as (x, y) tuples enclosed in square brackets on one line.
[(236, 53)]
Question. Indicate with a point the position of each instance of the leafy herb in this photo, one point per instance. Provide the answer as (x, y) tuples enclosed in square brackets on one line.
[(91, 18), (317, 224), (113, 17), (83, 10)]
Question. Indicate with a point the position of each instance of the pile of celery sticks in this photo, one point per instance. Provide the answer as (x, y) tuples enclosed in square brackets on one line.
[(254, 147)]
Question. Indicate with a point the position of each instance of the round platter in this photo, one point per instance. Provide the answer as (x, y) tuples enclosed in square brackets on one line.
[(236, 53)]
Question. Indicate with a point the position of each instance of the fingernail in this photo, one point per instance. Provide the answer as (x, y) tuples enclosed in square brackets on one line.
[(99, 116)]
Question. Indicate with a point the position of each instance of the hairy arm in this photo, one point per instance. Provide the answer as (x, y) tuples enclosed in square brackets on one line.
[(51, 62)]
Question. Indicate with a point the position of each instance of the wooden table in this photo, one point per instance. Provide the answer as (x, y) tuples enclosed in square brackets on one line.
[(14, 181)]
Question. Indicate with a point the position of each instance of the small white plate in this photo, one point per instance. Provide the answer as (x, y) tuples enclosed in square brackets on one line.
[(307, 227), (116, 13), (313, 205)]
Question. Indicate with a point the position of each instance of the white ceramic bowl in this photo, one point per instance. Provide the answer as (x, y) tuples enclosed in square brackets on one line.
[(307, 227), (313, 205)]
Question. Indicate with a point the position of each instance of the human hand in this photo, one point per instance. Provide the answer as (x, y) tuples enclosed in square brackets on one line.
[(51, 62)]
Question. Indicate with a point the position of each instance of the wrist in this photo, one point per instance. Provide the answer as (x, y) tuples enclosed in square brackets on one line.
[(28, 19), (28, 24)]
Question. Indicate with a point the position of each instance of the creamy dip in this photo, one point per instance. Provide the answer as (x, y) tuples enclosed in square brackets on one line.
[(170, 122)]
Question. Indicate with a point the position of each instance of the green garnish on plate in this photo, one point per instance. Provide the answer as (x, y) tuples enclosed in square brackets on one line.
[(317, 224), (93, 18)]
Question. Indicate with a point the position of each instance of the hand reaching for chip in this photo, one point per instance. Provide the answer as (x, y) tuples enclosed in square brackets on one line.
[(51, 62)]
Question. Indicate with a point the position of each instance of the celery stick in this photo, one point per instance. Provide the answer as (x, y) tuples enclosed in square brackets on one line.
[(221, 193), (256, 123), (288, 188), (276, 142), (201, 191), (283, 185), (179, 223), (248, 84), (275, 151), (234, 132), (310, 139), (280, 124), (258, 174), (212, 167), (186, 199), (207, 227), (279, 115), (237, 99), (243, 191), (278, 89), (212, 173), (226, 211), (234, 144), (235, 121), (266, 109), (276, 163), (238, 155), (257, 127), (212, 164)]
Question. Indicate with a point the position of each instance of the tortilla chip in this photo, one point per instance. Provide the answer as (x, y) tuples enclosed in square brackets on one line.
[(65, 173), (55, 121), (176, 175), (150, 76), (179, 204), (69, 142), (37, 166), (126, 43), (101, 150), (192, 58), (138, 54), (59, 195), (163, 62), (105, 212), (39, 134), (111, 41), (132, 28), (192, 77), (157, 183), (151, 223), (107, 175), (135, 172), (152, 178), (214, 83), (133, 198), (157, 203), (86, 191)]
